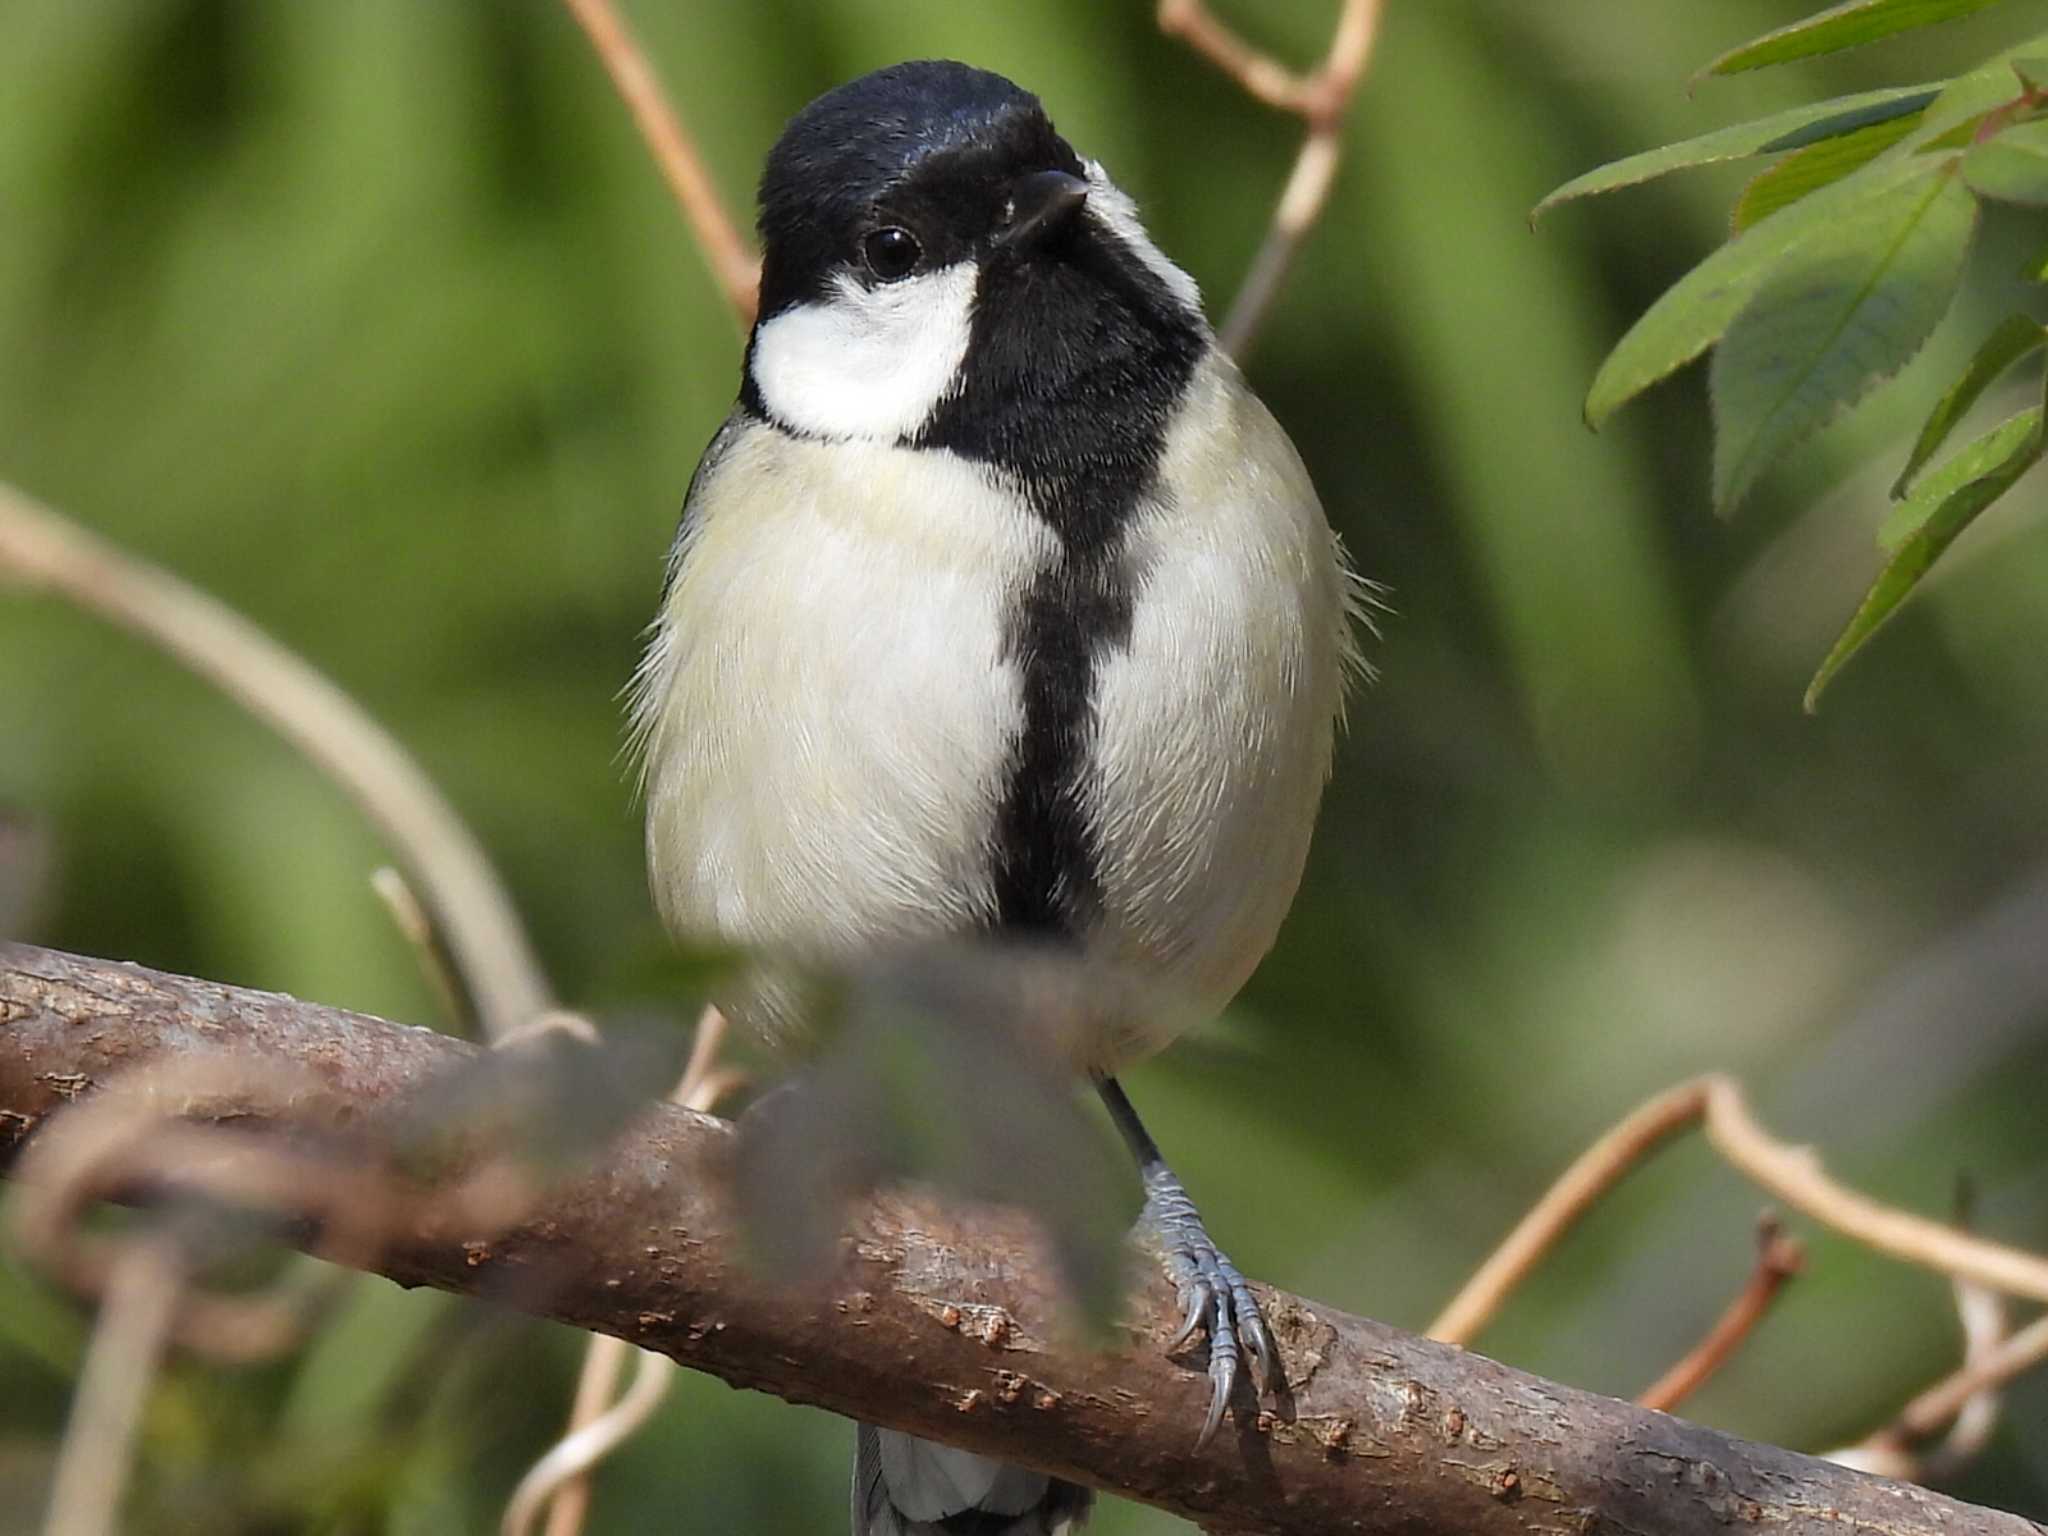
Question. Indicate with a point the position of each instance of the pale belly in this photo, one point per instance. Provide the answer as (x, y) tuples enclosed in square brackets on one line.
[(836, 718)]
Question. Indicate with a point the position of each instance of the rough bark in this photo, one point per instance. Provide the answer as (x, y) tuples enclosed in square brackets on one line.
[(944, 1324)]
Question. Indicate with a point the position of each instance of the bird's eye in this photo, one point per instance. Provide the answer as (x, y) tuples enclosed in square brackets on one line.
[(891, 252)]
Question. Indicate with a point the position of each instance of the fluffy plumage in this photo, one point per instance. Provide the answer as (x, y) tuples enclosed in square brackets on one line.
[(999, 604)]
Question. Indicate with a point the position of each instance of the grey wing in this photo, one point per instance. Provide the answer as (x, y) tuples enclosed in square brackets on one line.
[(714, 454), (903, 1486)]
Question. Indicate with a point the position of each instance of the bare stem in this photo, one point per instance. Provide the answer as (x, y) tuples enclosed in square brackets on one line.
[(1319, 99), (127, 1346), (442, 859), (1598, 1169), (731, 256), (560, 1481), (1791, 1174), (1778, 1259)]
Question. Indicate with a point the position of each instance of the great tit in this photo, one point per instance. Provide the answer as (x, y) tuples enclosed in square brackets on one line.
[(1000, 605)]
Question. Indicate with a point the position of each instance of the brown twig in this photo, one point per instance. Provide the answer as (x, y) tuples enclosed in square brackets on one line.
[(127, 1342), (731, 256), (416, 927), (1778, 1259), (1791, 1174), (442, 859), (1319, 99), (560, 1481), (1595, 1171), (1382, 1432), (1969, 1400)]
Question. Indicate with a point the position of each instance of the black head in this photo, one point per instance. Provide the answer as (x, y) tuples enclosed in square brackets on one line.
[(941, 268), (928, 148)]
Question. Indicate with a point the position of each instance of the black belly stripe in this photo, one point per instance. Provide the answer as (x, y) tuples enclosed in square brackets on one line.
[(1074, 368)]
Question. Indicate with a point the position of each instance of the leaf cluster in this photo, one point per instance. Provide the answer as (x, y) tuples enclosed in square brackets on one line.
[(1843, 256)]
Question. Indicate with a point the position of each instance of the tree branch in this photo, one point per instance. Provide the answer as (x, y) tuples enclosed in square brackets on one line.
[(1382, 1432)]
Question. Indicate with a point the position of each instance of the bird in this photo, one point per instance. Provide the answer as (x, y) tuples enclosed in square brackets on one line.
[(1000, 606)]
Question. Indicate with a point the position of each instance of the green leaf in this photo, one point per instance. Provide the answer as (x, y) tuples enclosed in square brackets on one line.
[(1767, 135), (2012, 165), (1917, 554), (1972, 460), (1809, 169), (1849, 25), (1849, 306), (1695, 311), (2033, 73), (2014, 338), (1691, 315)]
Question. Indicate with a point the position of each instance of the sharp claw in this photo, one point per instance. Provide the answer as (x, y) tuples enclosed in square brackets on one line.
[(1216, 1298), (1200, 1299), (1211, 1424), (1265, 1359)]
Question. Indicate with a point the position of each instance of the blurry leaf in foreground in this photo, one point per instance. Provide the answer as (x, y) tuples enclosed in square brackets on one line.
[(1991, 464), (1848, 307), (2014, 338), (551, 1100), (938, 1073), (1815, 166), (2012, 165), (1849, 25), (1780, 131)]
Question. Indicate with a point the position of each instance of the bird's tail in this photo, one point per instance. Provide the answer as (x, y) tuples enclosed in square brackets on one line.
[(903, 1486)]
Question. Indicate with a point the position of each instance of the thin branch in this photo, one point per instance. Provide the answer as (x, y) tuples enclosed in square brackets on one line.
[(1795, 1176), (442, 859), (731, 256), (1382, 1432), (1791, 1174), (1596, 1170), (1319, 99), (1778, 1259), (563, 1474), (127, 1343), (560, 1481), (417, 929), (1981, 1312)]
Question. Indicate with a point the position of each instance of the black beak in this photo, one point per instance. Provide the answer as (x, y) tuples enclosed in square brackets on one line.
[(1041, 205)]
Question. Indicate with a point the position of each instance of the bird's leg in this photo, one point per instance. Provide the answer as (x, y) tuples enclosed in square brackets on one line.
[(1213, 1295)]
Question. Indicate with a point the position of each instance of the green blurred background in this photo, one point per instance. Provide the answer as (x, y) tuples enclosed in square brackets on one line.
[(372, 317)]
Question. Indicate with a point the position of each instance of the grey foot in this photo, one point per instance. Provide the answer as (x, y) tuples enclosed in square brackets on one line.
[(1213, 1296)]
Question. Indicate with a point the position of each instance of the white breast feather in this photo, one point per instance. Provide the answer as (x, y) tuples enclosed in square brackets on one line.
[(828, 713), (1214, 726)]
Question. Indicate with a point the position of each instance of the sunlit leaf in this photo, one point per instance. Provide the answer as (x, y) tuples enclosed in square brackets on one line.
[(1917, 554), (1767, 135), (2012, 165), (1848, 307), (1849, 25), (1693, 313), (1975, 458), (1816, 166), (2014, 338)]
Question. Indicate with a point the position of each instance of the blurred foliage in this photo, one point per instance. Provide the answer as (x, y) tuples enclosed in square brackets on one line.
[(374, 320), (1867, 220)]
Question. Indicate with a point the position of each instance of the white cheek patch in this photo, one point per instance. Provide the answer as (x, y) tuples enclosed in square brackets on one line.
[(867, 362), (1119, 215)]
